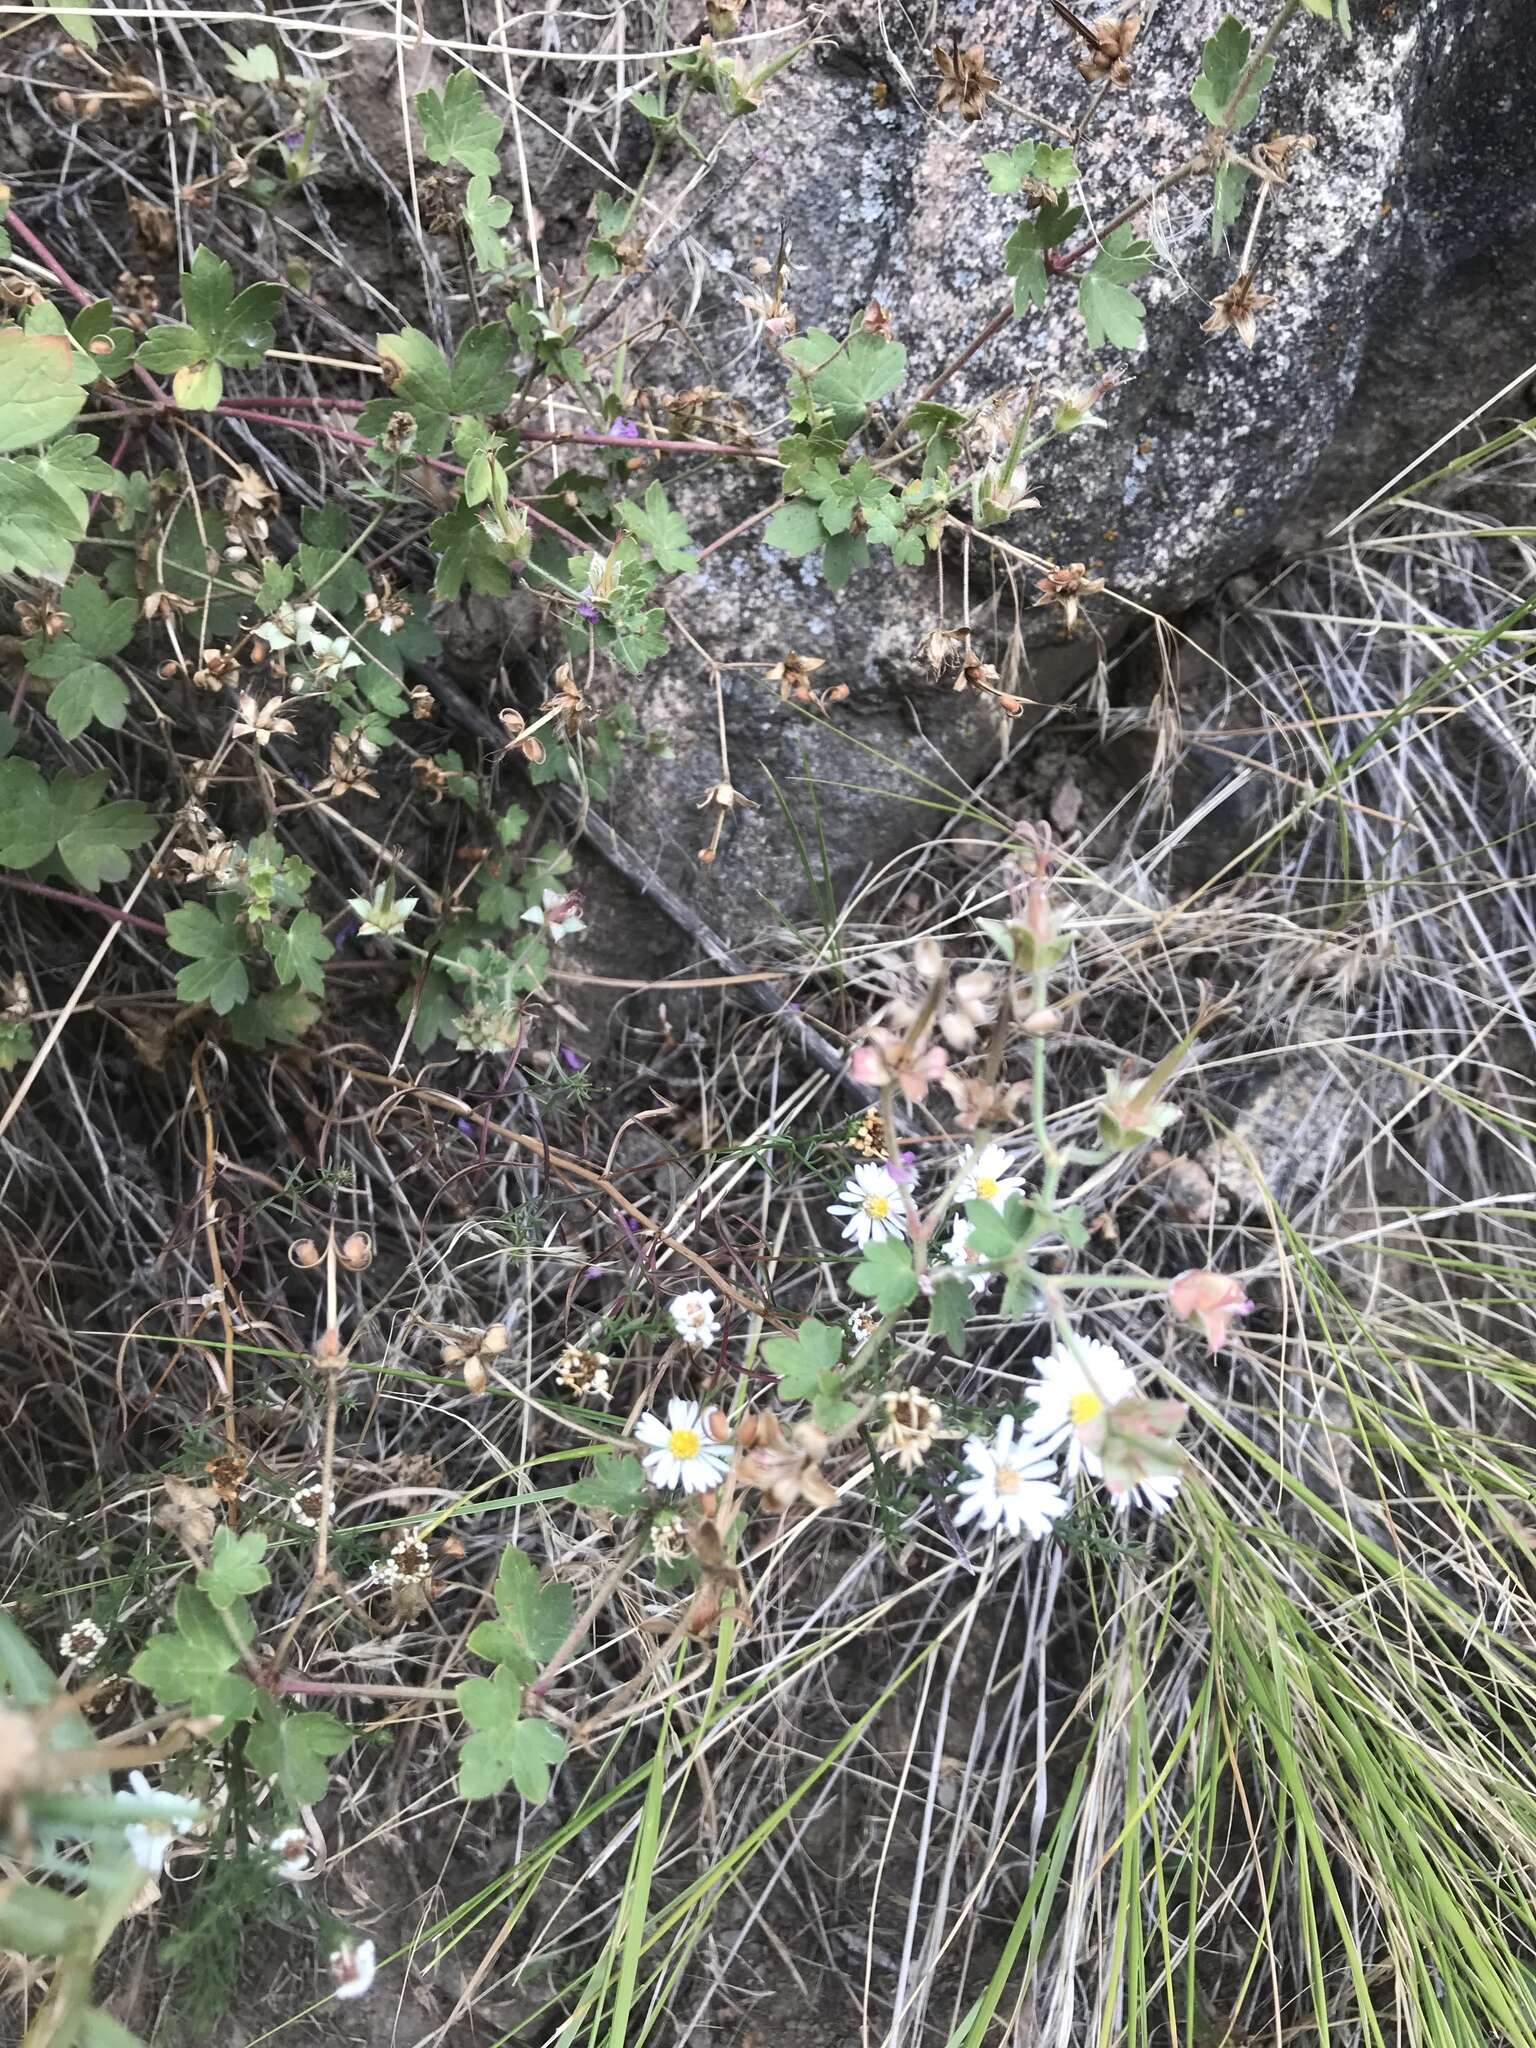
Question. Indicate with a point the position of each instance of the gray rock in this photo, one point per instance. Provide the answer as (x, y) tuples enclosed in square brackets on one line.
[(1385, 233)]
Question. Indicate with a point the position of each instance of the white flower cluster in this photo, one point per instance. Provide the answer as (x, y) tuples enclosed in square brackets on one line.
[(1088, 1418), (156, 1822)]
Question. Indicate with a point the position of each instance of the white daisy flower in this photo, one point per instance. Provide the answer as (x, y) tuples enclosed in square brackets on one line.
[(559, 913), (352, 1968), (294, 1853), (693, 1317), (1012, 1483), (988, 1176), (1074, 1385), (1154, 1491), (872, 1205), (159, 1818), (82, 1643), (968, 1266), (681, 1452)]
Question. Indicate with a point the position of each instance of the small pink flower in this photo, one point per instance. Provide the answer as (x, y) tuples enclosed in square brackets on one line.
[(885, 1059), (1210, 1300)]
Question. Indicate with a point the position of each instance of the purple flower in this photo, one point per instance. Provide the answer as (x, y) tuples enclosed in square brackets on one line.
[(294, 138), (587, 608), (573, 1060), (625, 429)]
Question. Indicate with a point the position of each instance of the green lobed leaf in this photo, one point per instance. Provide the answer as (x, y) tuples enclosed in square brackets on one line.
[(457, 127), (847, 379), (1024, 251), (234, 1567), (292, 1749), (1226, 198), (1040, 163), (801, 1360), (949, 1308), (885, 1274), (1111, 313), (615, 1483), (1223, 61), (93, 839), (279, 1016), (485, 215), (505, 1749), (830, 1408), (297, 950), (538, 1615), (795, 528), (842, 554), (26, 815), (39, 525), (194, 1662), (216, 944), (39, 392), (258, 65), (663, 531), (89, 695)]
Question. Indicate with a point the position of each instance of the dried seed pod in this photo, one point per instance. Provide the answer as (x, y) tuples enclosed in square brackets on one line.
[(717, 1426), (328, 1350), (494, 1340), (356, 1253), (304, 1252), (476, 1378)]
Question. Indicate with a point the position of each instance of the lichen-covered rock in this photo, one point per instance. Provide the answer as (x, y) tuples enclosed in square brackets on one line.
[(1404, 218)]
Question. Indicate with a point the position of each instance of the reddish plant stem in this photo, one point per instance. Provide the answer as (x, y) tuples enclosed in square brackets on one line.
[(107, 910), (46, 256), (576, 437), (317, 1689), (346, 436)]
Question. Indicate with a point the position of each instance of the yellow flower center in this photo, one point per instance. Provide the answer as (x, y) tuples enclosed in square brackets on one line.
[(685, 1444), (1085, 1407), (877, 1205), (986, 1188), (1007, 1480)]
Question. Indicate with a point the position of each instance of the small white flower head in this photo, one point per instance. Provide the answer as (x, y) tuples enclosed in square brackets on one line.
[(1074, 1387), (584, 1373), (291, 625), (409, 1561), (872, 1206), (863, 1323), (913, 1424), (308, 1503), (381, 915), (352, 1968), (1012, 1483), (680, 1451), (967, 1265), (693, 1317), (158, 1819), (294, 1853), (331, 656), (559, 913), (669, 1539), (82, 1643), (988, 1176)]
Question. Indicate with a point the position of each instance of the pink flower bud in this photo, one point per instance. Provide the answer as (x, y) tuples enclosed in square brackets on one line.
[(1209, 1299)]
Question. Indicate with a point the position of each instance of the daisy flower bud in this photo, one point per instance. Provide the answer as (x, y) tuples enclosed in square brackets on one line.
[(1210, 1300)]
